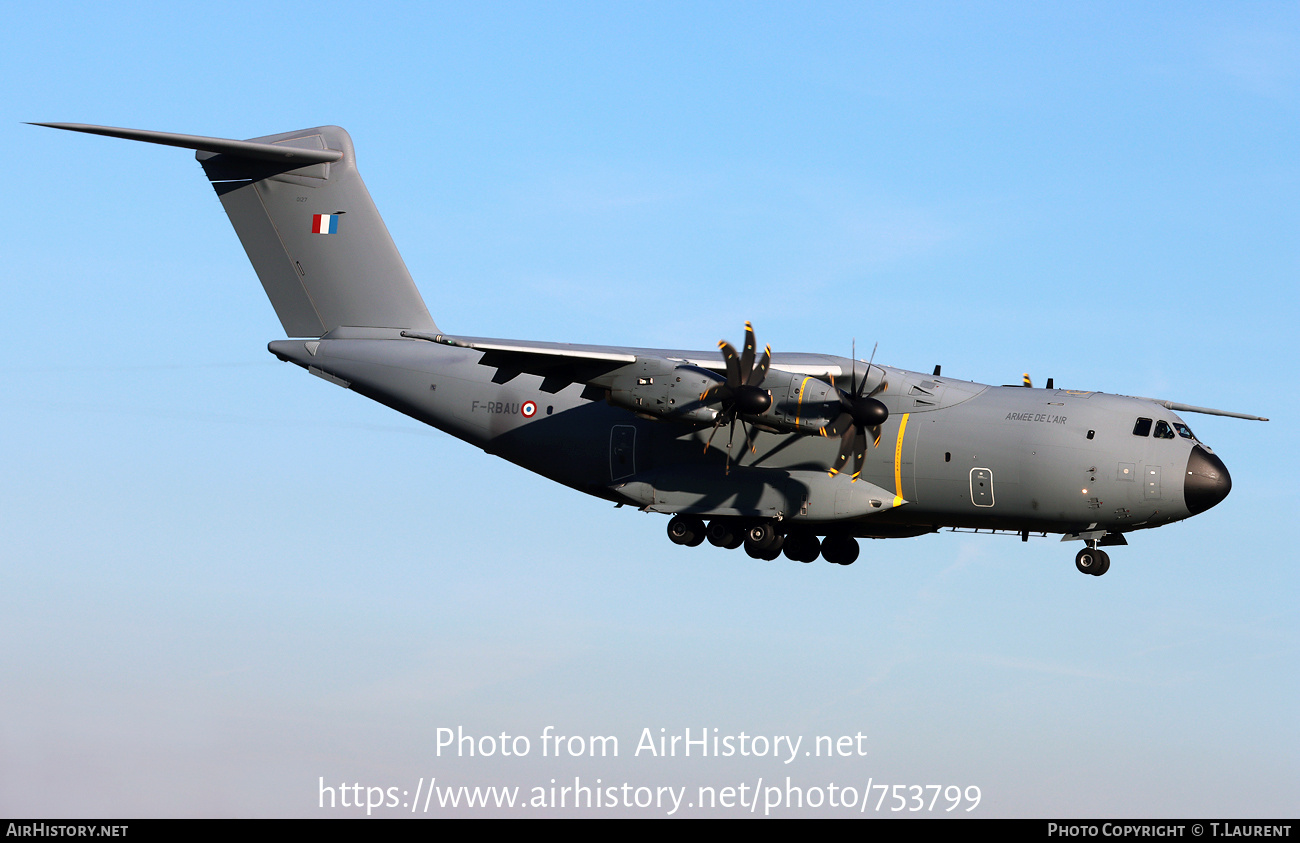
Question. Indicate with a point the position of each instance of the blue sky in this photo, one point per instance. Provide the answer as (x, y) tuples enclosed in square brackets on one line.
[(222, 579)]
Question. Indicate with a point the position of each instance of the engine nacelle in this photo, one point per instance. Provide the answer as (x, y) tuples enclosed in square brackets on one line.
[(655, 387), (800, 403)]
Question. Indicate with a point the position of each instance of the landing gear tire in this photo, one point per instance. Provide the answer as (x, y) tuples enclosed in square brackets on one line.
[(840, 550), (686, 530), (724, 534), (1092, 561), (761, 539), (761, 536), (802, 547)]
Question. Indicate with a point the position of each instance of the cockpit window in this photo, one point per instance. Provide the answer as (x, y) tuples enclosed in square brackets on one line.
[(1163, 431), (1184, 431), (1142, 428)]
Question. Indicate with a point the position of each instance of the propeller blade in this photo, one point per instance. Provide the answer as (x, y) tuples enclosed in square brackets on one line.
[(757, 376), (751, 437), (719, 392), (859, 452), (716, 424), (733, 363), (730, 436), (747, 354), (867, 377), (853, 361), (846, 446), (838, 425)]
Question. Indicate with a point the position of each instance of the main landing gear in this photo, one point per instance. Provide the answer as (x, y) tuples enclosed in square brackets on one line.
[(763, 539), (1092, 560)]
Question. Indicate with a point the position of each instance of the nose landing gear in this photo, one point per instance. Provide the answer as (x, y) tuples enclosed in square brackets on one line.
[(1092, 560)]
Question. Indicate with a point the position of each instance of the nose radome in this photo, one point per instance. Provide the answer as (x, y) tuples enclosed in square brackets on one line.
[(1207, 481)]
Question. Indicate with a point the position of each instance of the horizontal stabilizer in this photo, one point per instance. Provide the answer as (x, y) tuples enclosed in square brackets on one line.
[(243, 149)]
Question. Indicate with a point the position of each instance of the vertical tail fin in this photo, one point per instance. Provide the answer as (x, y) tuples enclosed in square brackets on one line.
[(309, 226)]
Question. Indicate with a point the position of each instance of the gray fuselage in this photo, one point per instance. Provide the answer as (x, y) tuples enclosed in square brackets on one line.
[(951, 454)]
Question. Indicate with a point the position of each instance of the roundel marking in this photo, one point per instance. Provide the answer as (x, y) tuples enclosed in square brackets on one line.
[(529, 409)]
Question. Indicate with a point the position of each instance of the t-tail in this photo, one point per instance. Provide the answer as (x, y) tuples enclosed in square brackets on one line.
[(309, 226)]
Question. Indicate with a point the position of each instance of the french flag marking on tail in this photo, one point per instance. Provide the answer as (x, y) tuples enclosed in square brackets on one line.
[(325, 223)]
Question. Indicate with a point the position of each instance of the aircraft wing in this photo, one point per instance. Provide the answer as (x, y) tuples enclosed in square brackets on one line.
[(564, 363), (1188, 408)]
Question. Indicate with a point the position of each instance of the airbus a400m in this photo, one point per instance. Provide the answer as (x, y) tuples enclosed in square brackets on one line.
[(801, 454)]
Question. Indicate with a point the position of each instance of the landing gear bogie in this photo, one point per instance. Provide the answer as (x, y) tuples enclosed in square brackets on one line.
[(763, 539)]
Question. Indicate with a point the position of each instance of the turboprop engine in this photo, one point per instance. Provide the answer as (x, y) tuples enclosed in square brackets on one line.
[(655, 388)]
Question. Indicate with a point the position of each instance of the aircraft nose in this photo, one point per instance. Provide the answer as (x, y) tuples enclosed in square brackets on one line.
[(1207, 481)]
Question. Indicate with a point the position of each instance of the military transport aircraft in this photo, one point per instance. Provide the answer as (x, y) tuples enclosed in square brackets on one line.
[(794, 453)]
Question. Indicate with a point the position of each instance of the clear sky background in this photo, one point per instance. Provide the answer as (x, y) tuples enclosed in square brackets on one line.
[(222, 579)]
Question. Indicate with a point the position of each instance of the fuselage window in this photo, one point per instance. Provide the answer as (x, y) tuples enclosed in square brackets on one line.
[(1142, 428), (1163, 431), (1184, 431)]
